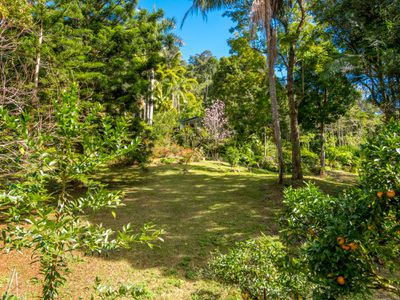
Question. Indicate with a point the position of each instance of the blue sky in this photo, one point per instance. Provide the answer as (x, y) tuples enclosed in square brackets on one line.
[(197, 34)]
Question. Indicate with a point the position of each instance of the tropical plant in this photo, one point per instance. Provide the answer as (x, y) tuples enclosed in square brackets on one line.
[(346, 241), (262, 269), (41, 211)]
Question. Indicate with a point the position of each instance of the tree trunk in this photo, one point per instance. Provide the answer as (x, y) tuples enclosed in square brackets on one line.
[(271, 47), (150, 111), (35, 99), (322, 155), (297, 172)]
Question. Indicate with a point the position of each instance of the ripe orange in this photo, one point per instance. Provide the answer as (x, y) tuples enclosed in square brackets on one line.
[(390, 193), (346, 247), (340, 280), (379, 194), (353, 246), (341, 240)]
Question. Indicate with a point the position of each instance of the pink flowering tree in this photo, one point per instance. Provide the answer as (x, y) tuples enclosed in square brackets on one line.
[(216, 125)]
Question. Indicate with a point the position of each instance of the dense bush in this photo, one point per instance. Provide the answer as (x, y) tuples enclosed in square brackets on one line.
[(310, 161), (344, 240), (344, 157), (262, 269), (232, 155), (40, 211), (334, 246), (380, 167)]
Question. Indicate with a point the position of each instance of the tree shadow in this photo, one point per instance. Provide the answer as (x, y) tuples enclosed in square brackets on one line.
[(206, 209)]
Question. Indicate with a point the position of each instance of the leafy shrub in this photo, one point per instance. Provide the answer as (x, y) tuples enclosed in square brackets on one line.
[(165, 124), (287, 160), (232, 155), (47, 220), (380, 167), (310, 160), (344, 157), (262, 269), (131, 291), (248, 157), (343, 240)]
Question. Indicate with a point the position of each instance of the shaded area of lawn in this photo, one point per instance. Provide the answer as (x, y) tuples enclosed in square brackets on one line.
[(207, 208)]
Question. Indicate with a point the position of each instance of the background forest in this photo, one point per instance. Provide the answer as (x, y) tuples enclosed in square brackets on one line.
[(310, 88)]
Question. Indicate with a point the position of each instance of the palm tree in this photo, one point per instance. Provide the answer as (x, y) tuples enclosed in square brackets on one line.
[(263, 12)]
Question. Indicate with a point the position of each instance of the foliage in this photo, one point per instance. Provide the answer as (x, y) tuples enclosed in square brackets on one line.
[(380, 168), (240, 82), (344, 157), (174, 89), (108, 47), (41, 212), (202, 67), (131, 291), (232, 154), (262, 269), (164, 126), (309, 160), (342, 240), (368, 35), (216, 125), (325, 92)]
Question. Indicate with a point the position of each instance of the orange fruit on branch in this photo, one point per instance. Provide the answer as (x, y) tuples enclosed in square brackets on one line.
[(379, 194), (346, 247), (390, 193), (341, 240), (341, 280), (353, 246)]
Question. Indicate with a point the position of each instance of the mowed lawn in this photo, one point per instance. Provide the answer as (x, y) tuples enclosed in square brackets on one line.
[(206, 209)]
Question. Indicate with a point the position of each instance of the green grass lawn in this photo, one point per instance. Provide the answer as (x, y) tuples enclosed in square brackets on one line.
[(209, 208)]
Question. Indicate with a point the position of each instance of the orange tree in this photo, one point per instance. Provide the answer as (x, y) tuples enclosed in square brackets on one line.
[(345, 242)]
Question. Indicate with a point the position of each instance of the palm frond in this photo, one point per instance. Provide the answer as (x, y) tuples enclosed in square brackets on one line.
[(205, 6)]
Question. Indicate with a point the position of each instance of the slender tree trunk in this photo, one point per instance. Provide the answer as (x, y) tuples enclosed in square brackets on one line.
[(151, 99), (322, 155), (271, 45), (297, 172), (265, 142), (35, 99)]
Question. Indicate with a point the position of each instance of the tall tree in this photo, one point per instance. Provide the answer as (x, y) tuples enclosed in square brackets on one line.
[(368, 32), (326, 94), (241, 83), (202, 67), (263, 13), (293, 21), (15, 70)]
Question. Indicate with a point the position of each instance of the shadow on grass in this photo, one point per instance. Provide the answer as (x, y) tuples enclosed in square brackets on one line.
[(209, 208)]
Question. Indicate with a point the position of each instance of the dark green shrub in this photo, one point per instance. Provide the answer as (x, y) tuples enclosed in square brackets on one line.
[(344, 157), (47, 220), (344, 240), (261, 267), (310, 161), (380, 167)]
